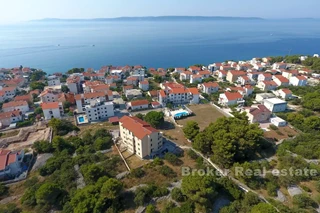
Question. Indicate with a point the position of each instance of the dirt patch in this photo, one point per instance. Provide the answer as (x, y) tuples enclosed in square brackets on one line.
[(204, 114), (281, 133), (94, 126), (32, 137), (9, 134)]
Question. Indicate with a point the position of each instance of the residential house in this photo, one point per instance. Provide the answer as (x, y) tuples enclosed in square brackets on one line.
[(279, 66), (73, 83), (178, 94), (214, 67), (284, 93), (49, 96), (138, 104), (253, 76), (27, 98), (289, 73), (153, 93), (267, 85), (133, 93), (129, 87), (185, 75), (144, 85), (204, 74), (7, 118), (11, 164), (132, 81), (155, 104), (232, 76), (244, 80), (298, 81), (85, 99), (53, 80), (209, 88), (194, 69), (179, 69), (16, 105), (52, 110), (244, 91), (222, 74), (230, 98), (275, 105), (264, 77), (7, 93), (195, 79), (111, 79), (258, 114), (260, 97), (280, 80), (139, 137)]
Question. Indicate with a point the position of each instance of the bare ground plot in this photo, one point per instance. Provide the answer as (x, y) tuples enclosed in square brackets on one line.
[(134, 161), (33, 137), (281, 133), (9, 134), (95, 126), (204, 114)]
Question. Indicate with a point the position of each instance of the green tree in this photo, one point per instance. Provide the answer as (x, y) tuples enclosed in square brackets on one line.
[(37, 85), (140, 116), (38, 111), (154, 118), (157, 78), (150, 209), (111, 188), (191, 130), (48, 193), (263, 208), (37, 75), (177, 195), (92, 173), (200, 189), (65, 89), (43, 147), (103, 143)]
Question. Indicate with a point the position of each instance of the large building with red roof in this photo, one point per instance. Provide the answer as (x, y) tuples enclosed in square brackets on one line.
[(139, 137), (177, 94)]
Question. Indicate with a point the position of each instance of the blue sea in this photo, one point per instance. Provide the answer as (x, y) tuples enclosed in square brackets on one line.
[(59, 46)]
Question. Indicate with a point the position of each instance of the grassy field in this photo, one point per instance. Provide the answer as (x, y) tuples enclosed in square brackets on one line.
[(204, 114)]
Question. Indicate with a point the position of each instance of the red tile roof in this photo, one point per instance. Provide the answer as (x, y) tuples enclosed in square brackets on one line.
[(211, 84), (139, 102), (6, 158), (238, 73), (138, 127), (50, 105), (93, 95), (301, 78), (144, 82), (194, 91), (233, 95), (286, 91), (14, 113), (15, 104), (282, 79), (155, 103), (114, 119)]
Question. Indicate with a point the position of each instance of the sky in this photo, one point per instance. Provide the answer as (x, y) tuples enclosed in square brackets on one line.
[(24, 10)]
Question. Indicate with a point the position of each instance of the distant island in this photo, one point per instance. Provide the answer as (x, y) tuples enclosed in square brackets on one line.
[(152, 18)]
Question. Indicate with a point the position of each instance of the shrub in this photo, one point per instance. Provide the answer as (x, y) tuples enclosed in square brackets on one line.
[(273, 127), (172, 159), (137, 173), (177, 195), (303, 201), (279, 132), (167, 171), (305, 188), (192, 154)]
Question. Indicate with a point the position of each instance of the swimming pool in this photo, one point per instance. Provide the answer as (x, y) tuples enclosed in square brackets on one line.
[(81, 119), (180, 114)]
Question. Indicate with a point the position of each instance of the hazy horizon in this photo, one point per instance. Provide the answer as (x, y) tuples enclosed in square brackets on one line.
[(20, 10)]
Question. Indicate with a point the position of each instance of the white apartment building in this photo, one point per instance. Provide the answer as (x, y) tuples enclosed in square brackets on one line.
[(139, 137), (86, 98), (178, 94), (73, 83), (52, 110), (275, 105), (209, 88), (7, 93), (53, 80), (98, 110), (16, 105), (49, 96)]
